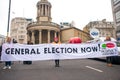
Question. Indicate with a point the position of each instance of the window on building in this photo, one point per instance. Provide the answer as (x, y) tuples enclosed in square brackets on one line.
[(21, 36), (21, 32), (116, 1), (103, 34), (22, 23), (117, 15), (21, 27)]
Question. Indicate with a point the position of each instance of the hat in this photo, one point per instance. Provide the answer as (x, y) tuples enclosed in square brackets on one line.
[(75, 40)]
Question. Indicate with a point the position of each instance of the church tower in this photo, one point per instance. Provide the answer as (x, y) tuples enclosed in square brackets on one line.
[(43, 11), (43, 30)]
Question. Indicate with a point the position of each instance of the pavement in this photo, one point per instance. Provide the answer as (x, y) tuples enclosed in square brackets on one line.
[(83, 69)]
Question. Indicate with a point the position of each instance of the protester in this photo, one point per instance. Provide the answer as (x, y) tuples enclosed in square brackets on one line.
[(8, 63), (14, 41), (0, 51), (56, 41), (28, 62), (108, 58)]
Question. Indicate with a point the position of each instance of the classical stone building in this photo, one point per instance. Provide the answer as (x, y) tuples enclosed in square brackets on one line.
[(71, 32), (105, 28), (43, 30), (18, 29)]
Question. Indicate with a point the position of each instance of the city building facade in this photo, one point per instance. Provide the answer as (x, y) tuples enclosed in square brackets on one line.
[(116, 16), (2, 39), (18, 29), (71, 32), (43, 30), (105, 28), (68, 31), (66, 25)]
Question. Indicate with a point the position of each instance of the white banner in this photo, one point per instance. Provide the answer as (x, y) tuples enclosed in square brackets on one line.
[(20, 52)]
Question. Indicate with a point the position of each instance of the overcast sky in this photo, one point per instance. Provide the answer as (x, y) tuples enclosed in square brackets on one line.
[(79, 11)]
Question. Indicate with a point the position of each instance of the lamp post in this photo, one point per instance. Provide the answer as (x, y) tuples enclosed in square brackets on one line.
[(8, 18)]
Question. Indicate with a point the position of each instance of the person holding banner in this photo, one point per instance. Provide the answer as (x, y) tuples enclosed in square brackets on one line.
[(56, 41), (0, 52), (14, 41), (28, 62), (108, 58), (8, 63)]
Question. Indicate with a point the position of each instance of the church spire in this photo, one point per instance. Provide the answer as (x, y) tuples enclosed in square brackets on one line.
[(43, 11)]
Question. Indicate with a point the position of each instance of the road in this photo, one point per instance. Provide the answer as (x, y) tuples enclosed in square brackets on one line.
[(82, 69)]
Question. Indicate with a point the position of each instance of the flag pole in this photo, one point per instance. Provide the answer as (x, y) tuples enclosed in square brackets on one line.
[(8, 18)]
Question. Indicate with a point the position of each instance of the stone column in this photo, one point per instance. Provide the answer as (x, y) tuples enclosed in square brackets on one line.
[(50, 11), (28, 36), (42, 9), (46, 10), (48, 36), (40, 36), (59, 36), (33, 37)]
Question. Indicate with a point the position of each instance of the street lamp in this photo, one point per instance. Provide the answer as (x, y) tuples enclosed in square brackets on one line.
[(8, 17)]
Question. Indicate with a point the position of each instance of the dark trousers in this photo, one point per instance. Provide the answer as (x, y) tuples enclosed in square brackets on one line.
[(27, 62), (8, 63), (57, 62), (109, 59)]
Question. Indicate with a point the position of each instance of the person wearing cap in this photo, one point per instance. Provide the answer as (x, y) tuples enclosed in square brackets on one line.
[(108, 58), (56, 41)]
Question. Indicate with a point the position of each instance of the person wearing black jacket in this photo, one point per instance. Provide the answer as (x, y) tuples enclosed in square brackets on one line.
[(0, 51), (28, 62)]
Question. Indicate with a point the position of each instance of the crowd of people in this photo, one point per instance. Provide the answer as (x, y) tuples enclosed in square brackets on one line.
[(10, 41), (56, 41)]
